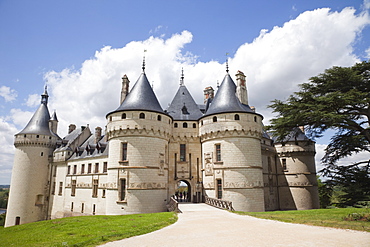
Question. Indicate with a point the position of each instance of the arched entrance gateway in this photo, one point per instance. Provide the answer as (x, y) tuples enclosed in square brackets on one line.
[(183, 191)]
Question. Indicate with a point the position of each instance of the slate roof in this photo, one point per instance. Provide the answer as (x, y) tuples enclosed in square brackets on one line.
[(225, 99), (90, 149), (39, 123), (183, 106), (141, 98), (295, 135)]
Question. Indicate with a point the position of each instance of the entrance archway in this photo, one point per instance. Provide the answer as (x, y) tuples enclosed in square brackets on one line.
[(183, 191)]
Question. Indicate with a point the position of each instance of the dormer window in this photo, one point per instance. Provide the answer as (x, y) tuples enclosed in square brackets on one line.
[(184, 110), (142, 116)]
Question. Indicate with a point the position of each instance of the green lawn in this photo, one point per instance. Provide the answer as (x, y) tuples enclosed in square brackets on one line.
[(84, 230), (318, 217)]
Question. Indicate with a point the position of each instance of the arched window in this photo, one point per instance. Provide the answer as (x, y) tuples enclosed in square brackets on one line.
[(185, 125), (37, 136), (214, 119), (123, 116), (159, 118), (142, 116), (194, 125), (236, 117), (175, 125)]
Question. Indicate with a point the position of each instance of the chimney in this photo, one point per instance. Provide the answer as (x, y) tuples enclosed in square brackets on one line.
[(71, 128), (241, 88), (97, 134), (209, 93), (125, 88)]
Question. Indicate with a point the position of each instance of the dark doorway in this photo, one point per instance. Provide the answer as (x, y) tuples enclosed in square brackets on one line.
[(183, 191)]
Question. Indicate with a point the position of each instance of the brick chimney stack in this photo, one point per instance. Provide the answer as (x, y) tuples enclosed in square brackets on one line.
[(97, 134), (241, 88), (125, 88), (209, 93), (71, 128)]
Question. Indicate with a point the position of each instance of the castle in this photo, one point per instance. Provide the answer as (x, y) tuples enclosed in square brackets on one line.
[(219, 149)]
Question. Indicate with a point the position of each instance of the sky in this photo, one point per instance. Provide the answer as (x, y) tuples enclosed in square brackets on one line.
[(81, 49)]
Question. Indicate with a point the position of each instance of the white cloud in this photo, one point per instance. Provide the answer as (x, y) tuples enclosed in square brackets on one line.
[(8, 94), (7, 132), (367, 53), (33, 100)]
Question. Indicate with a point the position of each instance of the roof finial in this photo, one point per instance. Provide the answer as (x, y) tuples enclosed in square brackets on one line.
[(144, 62), (218, 84), (182, 77), (227, 62), (45, 96)]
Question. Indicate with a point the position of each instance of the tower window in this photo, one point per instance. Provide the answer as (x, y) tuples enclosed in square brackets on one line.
[(82, 207), (219, 188), (218, 152), (283, 163), (185, 125), (37, 136), (255, 118), (73, 188), (94, 209), (123, 189), (124, 151), (105, 167), (236, 117), (123, 116), (42, 154), (194, 125), (60, 188), (182, 152), (142, 116), (71, 206), (159, 118), (175, 125), (95, 188), (110, 118), (214, 119)]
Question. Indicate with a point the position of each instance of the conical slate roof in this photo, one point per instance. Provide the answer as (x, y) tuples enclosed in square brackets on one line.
[(39, 123), (183, 106), (225, 100), (141, 97)]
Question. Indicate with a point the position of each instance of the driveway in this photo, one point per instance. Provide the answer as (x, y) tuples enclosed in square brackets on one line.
[(203, 225)]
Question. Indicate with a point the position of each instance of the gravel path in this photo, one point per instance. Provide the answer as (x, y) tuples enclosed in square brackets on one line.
[(203, 225)]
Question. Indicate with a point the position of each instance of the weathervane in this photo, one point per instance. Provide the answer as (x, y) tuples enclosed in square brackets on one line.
[(144, 61), (227, 62), (182, 77)]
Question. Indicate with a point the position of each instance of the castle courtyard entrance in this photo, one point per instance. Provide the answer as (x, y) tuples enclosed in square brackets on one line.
[(183, 191)]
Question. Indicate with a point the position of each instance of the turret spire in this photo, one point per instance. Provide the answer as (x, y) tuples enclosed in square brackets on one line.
[(45, 96), (227, 62), (144, 62), (182, 77)]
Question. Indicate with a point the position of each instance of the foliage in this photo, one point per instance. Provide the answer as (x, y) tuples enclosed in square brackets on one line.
[(338, 99), (357, 217), (325, 193), (4, 195), (2, 219), (318, 217), (84, 230)]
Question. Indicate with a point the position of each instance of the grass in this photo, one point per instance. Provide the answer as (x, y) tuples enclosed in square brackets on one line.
[(318, 217), (84, 230)]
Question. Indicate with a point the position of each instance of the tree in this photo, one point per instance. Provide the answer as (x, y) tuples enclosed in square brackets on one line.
[(337, 99)]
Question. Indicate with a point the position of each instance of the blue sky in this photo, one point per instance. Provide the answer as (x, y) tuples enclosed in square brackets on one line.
[(82, 48)]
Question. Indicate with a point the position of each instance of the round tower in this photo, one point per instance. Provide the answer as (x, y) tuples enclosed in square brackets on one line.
[(231, 134), (297, 182), (138, 133), (29, 189)]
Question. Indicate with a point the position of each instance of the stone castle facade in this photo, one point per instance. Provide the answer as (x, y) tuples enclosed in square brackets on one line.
[(218, 149)]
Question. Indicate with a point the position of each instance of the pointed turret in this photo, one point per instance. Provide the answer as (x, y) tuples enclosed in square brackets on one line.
[(141, 97), (39, 123), (53, 123), (226, 100), (183, 106)]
